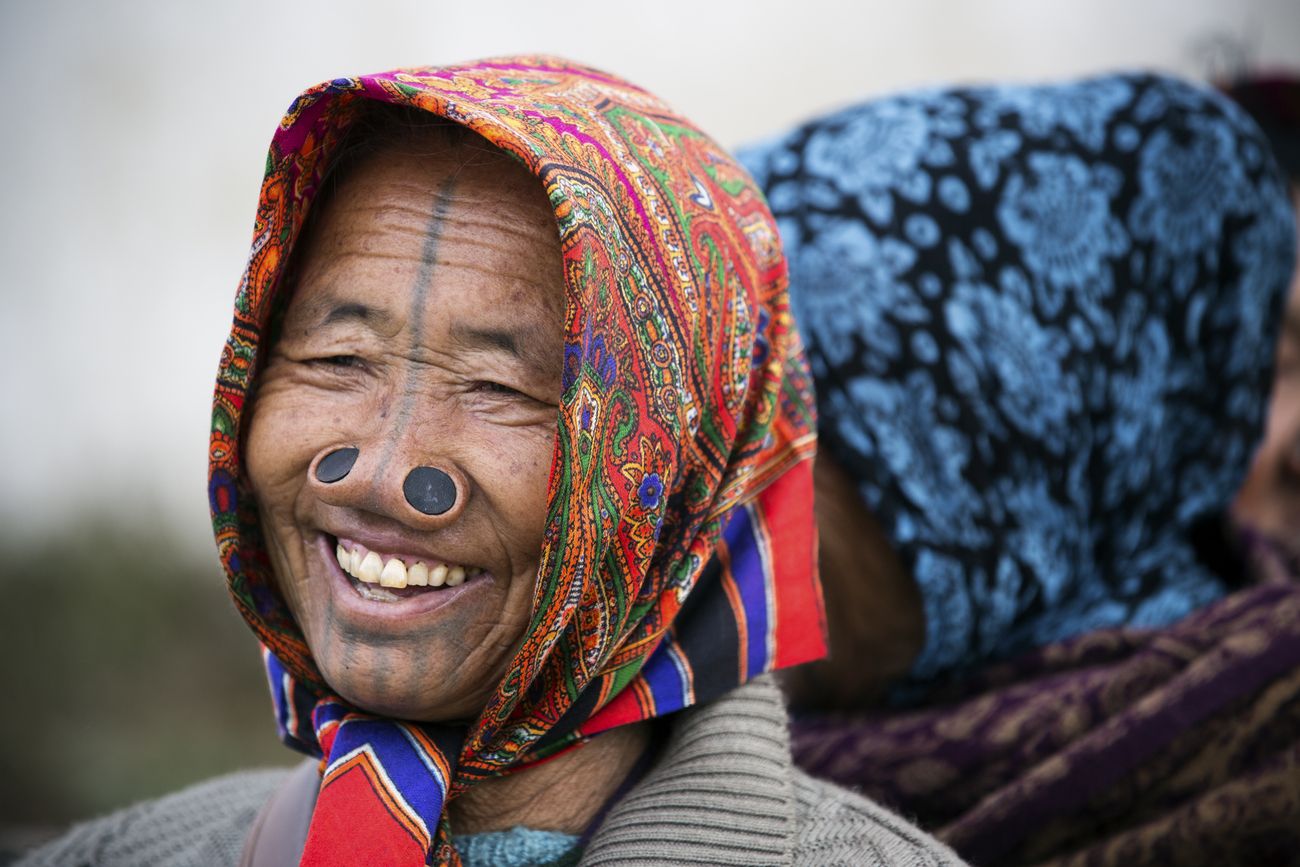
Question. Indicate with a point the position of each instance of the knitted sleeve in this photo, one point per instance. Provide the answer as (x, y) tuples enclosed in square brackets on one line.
[(839, 827), (200, 826), (725, 791)]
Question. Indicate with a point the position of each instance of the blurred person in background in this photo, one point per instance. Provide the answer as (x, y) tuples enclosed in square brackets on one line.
[(1268, 507), (1041, 323), (511, 475)]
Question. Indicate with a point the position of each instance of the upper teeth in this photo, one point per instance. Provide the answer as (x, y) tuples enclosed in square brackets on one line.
[(370, 568)]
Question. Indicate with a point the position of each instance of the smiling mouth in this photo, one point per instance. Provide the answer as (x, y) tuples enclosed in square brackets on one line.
[(391, 578)]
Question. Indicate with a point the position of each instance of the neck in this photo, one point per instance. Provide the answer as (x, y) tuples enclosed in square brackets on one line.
[(563, 794)]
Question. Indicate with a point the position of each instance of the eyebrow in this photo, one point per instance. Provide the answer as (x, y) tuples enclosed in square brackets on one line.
[(349, 311), (498, 338), (510, 341), (332, 312)]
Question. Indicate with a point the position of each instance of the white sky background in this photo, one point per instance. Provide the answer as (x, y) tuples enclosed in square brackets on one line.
[(135, 135)]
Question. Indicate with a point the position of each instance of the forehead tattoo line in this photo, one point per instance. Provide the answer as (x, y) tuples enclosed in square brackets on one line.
[(419, 297)]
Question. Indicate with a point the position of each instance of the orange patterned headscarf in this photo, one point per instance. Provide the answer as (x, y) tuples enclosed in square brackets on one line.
[(678, 558)]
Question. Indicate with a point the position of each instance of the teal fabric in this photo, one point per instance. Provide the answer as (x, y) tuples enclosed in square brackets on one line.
[(518, 847)]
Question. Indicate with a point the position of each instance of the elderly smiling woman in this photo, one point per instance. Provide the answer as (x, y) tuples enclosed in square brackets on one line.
[(510, 474)]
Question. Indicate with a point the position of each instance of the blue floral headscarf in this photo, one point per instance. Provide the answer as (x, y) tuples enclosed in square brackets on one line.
[(1041, 323)]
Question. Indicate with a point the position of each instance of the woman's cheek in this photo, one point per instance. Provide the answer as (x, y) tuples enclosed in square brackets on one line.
[(269, 455), (288, 426), (524, 468)]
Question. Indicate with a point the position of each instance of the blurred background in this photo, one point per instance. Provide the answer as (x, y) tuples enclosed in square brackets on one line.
[(135, 147)]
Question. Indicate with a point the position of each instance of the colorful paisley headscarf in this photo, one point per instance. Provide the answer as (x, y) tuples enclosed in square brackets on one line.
[(678, 559), (1041, 324)]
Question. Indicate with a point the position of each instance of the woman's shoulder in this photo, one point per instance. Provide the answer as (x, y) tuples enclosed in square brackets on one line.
[(204, 825), (725, 782), (837, 826)]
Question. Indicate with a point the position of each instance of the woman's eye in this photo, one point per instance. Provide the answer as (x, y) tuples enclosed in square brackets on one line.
[(486, 386), (338, 361)]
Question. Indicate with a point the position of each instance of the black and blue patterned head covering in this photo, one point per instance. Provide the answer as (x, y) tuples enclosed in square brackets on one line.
[(1041, 322)]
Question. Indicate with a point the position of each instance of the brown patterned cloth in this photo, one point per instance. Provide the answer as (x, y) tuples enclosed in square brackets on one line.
[(1120, 747)]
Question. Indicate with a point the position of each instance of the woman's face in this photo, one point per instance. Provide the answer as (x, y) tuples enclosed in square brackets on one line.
[(1269, 500), (425, 330)]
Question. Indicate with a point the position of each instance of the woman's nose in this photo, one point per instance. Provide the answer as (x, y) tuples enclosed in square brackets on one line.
[(336, 464), (429, 490), (430, 493)]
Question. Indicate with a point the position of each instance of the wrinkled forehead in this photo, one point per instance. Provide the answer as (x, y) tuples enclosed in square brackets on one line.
[(380, 129), (410, 199)]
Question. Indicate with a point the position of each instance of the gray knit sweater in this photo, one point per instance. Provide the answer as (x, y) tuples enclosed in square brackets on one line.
[(724, 791)]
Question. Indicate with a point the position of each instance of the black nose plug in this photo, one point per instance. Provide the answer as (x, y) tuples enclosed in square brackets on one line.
[(336, 464), (429, 490)]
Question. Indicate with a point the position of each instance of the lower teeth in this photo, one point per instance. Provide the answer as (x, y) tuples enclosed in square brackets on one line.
[(375, 593), (380, 593)]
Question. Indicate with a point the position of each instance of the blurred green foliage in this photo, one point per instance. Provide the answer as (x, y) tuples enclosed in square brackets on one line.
[(126, 674)]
